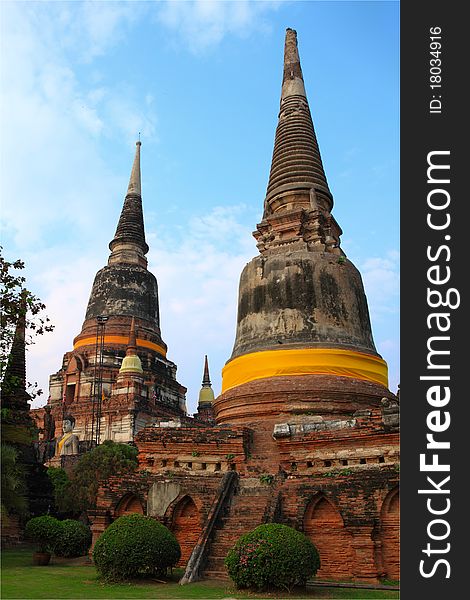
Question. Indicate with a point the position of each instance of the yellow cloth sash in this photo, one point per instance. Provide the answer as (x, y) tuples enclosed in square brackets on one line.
[(304, 361), (61, 442)]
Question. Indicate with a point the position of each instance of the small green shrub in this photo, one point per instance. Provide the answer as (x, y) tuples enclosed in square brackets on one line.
[(44, 531), (135, 546), (272, 556), (74, 540)]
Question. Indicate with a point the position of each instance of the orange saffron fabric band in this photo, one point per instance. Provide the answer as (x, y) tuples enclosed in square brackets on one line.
[(122, 340), (304, 361)]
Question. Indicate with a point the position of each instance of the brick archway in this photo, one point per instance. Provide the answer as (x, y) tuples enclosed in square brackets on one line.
[(324, 525), (390, 534), (186, 526), (128, 505)]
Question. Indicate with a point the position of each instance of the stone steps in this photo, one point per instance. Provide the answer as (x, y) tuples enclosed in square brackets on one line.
[(235, 528), (245, 514), (221, 548), (222, 575), (216, 562)]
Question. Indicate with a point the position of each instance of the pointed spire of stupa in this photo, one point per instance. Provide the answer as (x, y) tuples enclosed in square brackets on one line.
[(292, 81), (128, 244), (296, 164), (207, 393), (206, 380), (14, 394), (134, 186), (298, 200)]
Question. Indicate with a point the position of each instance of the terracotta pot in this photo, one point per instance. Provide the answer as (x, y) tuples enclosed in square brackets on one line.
[(41, 558)]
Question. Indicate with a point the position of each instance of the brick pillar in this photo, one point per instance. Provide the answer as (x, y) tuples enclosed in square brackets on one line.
[(363, 545), (379, 554), (100, 520)]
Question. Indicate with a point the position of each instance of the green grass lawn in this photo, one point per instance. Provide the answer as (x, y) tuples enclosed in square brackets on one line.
[(67, 579)]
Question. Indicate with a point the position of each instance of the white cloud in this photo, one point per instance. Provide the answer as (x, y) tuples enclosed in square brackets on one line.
[(90, 28), (198, 290), (382, 283), (51, 121), (198, 274), (58, 189), (129, 115), (204, 23), (60, 192), (198, 267), (65, 279), (56, 222)]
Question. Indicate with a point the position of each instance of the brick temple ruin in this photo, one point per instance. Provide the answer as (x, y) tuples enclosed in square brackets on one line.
[(305, 431)]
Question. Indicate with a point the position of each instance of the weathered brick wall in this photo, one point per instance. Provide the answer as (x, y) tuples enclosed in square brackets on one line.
[(342, 513), (334, 481), (185, 514), (324, 526), (279, 398), (186, 526), (389, 534), (364, 443), (189, 450), (129, 505)]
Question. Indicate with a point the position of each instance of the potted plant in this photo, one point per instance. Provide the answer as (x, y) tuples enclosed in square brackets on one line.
[(44, 532)]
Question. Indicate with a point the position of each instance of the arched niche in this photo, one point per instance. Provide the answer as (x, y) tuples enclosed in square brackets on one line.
[(324, 525), (128, 505), (76, 364), (186, 526), (390, 534)]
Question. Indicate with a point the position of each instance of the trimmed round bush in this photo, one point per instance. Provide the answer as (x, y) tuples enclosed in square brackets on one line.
[(44, 531), (135, 546), (272, 556), (74, 540)]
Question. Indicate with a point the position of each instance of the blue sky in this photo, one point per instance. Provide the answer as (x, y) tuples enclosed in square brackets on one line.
[(201, 82)]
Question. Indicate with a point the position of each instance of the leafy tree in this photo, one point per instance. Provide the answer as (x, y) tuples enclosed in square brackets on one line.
[(79, 493), (60, 484), (13, 484), (16, 301)]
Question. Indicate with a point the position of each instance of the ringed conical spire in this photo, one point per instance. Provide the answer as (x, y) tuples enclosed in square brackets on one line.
[(206, 394), (296, 164), (206, 380), (125, 287), (14, 394), (120, 345), (302, 308), (298, 200), (128, 244)]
